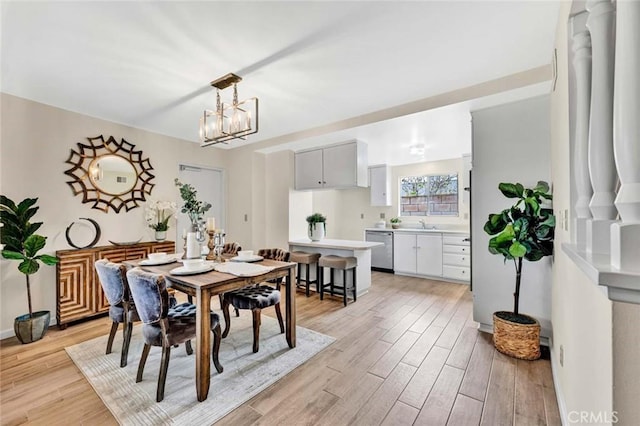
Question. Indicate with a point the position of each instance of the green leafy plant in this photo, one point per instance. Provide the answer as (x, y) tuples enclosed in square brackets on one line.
[(523, 231), (192, 206), (20, 240), (395, 220), (316, 218)]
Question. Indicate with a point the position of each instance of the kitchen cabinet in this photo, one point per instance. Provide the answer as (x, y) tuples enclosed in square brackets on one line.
[(456, 257), (417, 254), (380, 185), (336, 166)]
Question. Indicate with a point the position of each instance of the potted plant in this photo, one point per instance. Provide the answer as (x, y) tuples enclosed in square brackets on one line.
[(315, 231), (157, 216), (395, 222), (523, 231), (192, 207), (23, 244)]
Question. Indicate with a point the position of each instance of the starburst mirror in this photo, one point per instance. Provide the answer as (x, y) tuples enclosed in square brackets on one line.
[(109, 174)]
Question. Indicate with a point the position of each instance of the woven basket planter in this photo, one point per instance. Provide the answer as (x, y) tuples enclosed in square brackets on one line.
[(517, 340)]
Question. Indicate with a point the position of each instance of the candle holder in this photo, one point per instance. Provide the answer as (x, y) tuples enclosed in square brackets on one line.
[(216, 245), (184, 246)]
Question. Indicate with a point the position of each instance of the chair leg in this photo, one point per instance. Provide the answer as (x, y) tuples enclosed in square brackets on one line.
[(307, 281), (355, 288), (188, 347), (128, 329), (143, 360), (221, 297), (279, 315), (344, 287), (227, 318), (216, 348), (332, 272), (256, 330), (164, 366), (112, 334), (321, 281), (317, 277), (190, 299)]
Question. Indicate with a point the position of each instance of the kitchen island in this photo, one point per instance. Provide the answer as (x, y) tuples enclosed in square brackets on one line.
[(361, 250)]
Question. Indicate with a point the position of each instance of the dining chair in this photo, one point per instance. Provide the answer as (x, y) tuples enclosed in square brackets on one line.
[(165, 326), (122, 309), (255, 298), (230, 249)]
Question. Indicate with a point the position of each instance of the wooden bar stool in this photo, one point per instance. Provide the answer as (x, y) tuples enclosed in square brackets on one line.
[(340, 263), (306, 259)]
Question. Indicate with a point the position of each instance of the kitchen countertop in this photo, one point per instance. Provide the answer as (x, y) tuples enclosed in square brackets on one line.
[(420, 230), (335, 244)]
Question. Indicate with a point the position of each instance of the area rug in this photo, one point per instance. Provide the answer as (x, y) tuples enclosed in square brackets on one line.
[(245, 373)]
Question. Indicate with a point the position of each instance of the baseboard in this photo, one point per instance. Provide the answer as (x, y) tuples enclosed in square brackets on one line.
[(5, 334), (562, 407)]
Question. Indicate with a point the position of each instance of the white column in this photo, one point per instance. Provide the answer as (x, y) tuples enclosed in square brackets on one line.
[(625, 236), (601, 24), (582, 67)]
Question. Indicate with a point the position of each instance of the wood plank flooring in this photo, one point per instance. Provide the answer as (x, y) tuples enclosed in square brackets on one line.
[(407, 353)]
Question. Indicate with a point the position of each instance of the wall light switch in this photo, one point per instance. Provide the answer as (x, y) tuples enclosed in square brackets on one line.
[(381, 215), (246, 217), (565, 216), (361, 215)]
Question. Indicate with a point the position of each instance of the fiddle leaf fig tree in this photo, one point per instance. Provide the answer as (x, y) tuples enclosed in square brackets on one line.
[(523, 231), (20, 240)]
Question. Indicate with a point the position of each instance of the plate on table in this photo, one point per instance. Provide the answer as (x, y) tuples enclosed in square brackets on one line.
[(181, 270), (242, 269), (248, 259), (164, 261)]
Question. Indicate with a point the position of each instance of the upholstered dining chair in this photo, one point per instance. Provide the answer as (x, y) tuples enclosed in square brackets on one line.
[(122, 310), (230, 249), (255, 298), (165, 326)]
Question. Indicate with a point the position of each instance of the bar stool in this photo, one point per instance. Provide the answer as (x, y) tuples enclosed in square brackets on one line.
[(340, 263), (306, 259)]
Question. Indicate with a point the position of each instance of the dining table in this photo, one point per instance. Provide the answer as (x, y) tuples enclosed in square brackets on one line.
[(202, 286)]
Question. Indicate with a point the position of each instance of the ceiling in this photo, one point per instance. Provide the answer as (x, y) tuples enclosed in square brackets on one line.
[(311, 64)]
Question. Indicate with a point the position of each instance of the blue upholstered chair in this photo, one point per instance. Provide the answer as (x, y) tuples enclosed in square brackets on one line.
[(122, 309), (256, 298), (165, 326)]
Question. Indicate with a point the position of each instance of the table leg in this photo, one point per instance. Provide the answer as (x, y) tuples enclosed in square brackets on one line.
[(290, 309), (203, 343)]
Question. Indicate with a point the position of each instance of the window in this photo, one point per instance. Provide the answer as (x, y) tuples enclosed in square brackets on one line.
[(429, 195)]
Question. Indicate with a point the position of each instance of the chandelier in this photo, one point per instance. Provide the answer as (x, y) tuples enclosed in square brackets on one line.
[(229, 121)]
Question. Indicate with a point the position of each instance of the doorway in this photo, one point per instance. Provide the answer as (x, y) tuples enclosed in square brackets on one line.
[(209, 184)]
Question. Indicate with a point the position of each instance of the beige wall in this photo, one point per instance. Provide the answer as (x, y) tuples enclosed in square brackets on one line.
[(35, 142), (581, 312)]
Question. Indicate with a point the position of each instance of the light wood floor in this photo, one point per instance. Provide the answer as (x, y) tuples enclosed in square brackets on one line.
[(406, 353)]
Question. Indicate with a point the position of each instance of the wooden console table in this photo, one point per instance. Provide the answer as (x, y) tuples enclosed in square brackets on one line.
[(79, 293)]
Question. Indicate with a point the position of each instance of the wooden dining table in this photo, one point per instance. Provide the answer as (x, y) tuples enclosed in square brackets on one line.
[(204, 285)]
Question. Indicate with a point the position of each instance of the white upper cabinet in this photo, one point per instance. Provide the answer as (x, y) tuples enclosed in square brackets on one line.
[(380, 185), (336, 166), (308, 165)]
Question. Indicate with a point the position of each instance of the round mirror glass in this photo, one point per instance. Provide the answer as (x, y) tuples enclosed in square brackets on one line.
[(112, 174)]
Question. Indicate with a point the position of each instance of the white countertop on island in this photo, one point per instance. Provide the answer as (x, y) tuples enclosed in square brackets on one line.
[(335, 244)]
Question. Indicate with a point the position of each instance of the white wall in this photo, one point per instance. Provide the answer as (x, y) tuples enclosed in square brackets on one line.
[(344, 208), (36, 141), (510, 144), (581, 313)]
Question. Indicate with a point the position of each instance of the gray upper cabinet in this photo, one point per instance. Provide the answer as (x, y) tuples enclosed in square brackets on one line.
[(337, 166)]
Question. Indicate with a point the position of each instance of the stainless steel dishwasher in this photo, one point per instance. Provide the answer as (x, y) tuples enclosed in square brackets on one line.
[(381, 256)]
